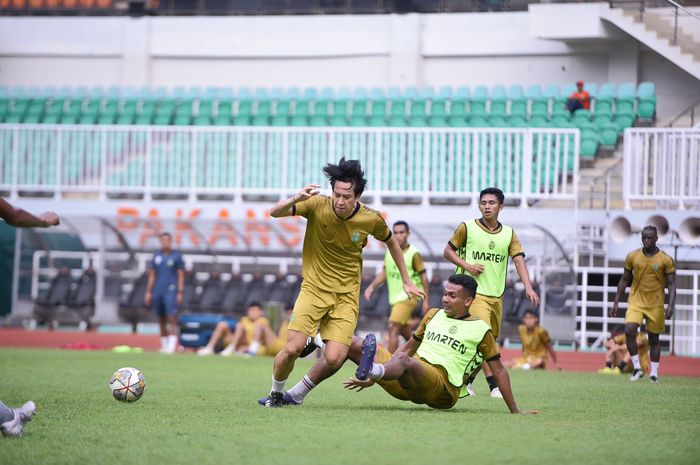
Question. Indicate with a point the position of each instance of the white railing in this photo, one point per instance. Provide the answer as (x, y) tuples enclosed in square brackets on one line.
[(595, 300), (191, 162), (662, 164)]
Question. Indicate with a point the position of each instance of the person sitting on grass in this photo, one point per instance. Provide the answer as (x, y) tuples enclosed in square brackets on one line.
[(617, 357), (536, 344), (238, 339)]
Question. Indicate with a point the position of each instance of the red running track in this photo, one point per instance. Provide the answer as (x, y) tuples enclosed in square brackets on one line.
[(569, 361)]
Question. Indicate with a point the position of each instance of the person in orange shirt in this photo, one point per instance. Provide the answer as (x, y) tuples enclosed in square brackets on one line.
[(580, 99)]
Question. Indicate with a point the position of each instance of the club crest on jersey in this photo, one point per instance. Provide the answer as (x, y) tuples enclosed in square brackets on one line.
[(170, 262), (356, 237), (453, 329), (655, 267), (492, 245)]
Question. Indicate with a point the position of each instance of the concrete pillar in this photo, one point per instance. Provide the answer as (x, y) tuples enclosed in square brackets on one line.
[(405, 58), (623, 61), (136, 52)]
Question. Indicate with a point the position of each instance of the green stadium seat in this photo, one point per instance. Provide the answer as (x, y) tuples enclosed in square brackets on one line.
[(144, 119), (398, 108), (301, 108), (338, 120), (244, 107), (318, 121), (608, 135), (518, 108), (107, 119), (282, 107), (298, 120), (539, 109), (459, 121), (224, 119), (624, 107), (51, 119), (458, 108), (320, 108), (263, 108), (438, 121), (31, 119), (88, 119), (539, 121), (498, 108), (418, 108), (518, 121), (279, 120), (646, 109), (378, 108), (358, 121), (340, 107), (445, 92), (463, 93), (376, 121), (162, 119), (600, 121), (438, 107), (602, 107), (359, 108), (623, 122), (224, 108), (479, 122), (125, 119), (417, 121)]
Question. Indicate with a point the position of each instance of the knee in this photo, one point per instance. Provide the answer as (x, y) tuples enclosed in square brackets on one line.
[(631, 330), (402, 358), (221, 325), (291, 351), (335, 361)]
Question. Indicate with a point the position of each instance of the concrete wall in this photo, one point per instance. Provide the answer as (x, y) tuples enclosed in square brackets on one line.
[(336, 51)]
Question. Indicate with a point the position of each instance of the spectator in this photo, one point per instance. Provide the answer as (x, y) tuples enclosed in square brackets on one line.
[(580, 99), (536, 344), (265, 341), (617, 357), (165, 291), (239, 338)]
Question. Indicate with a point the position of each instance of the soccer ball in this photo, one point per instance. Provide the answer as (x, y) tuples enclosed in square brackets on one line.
[(127, 384)]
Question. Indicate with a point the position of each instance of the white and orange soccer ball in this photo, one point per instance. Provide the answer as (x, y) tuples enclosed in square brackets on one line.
[(127, 384)]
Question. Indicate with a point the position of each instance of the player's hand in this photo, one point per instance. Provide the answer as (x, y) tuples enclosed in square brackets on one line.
[(528, 412), (613, 311), (534, 298), (668, 313), (50, 218), (475, 270), (368, 292), (412, 290), (307, 192), (147, 298), (355, 384)]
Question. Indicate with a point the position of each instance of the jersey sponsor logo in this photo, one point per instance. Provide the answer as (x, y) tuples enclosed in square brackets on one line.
[(449, 341), (488, 256)]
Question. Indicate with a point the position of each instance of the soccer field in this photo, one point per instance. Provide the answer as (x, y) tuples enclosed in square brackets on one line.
[(203, 410)]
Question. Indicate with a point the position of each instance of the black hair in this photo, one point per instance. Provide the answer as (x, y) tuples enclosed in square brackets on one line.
[(533, 312), (347, 171), (255, 303), (164, 234), (652, 229), (493, 191), (467, 282), (402, 223)]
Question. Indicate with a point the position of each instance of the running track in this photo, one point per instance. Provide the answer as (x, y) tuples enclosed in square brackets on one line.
[(569, 361)]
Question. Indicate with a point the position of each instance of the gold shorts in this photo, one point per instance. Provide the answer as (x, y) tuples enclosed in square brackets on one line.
[(401, 311), (334, 313), (488, 310), (434, 389), (654, 317), (531, 360), (274, 347)]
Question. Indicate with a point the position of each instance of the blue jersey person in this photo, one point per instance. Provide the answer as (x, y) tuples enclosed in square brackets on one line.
[(165, 289)]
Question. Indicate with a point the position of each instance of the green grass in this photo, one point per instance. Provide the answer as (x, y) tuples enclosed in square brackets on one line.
[(202, 410)]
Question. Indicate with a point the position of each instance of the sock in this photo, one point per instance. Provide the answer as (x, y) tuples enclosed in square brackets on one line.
[(526, 366), (164, 342), (622, 366), (172, 343), (377, 371), (492, 383), (608, 364), (301, 389), (655, 369), (278, 386), (635, 362), (318, 341), (6, 413), (253, 347)]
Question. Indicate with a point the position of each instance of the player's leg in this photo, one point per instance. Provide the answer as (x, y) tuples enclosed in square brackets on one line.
[(489, 310), (222, 331), (236, 342), (12, 420), (631, 342), (394, 329), (535, 363), (655, 356), (263, 336), (159, 308), (171, 320), (406, 331)]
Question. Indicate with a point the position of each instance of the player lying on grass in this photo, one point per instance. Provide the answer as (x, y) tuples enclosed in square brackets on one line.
[(429, 368), (12, 420)]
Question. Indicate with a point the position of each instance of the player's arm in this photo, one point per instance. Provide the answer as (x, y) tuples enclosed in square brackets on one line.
[(379, 279), (149, 286), (671, 284), (284, 207), (621, 287), (408, 287), (550, 351), (180, 286), (450, 253), (410, 347), (426, 287), (521, 268), (23, 219)]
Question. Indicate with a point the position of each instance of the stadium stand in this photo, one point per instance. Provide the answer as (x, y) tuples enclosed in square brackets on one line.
[(67, 301)]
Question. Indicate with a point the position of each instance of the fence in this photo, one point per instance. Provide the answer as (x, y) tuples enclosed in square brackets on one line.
[(662, 164), (196, 162)]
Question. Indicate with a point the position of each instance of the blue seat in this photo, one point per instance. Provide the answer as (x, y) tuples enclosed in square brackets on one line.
[(445, 92), (626, 90), (533, 91)]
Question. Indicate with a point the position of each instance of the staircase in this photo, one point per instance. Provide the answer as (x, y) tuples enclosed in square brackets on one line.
[(655, 28)]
